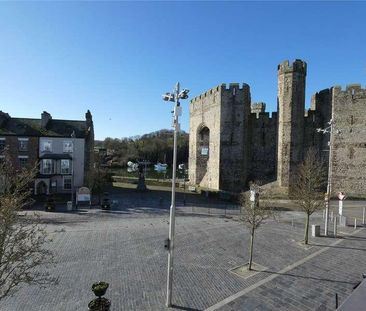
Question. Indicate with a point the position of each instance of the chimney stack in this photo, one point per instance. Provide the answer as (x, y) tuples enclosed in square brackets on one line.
[(4, 117), (45, 118)]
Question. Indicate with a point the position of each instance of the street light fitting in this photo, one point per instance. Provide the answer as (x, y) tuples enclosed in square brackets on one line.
[(168, 97), (183, 94)]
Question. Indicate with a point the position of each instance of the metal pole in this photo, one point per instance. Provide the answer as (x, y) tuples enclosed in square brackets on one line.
[(329, 187), (184, 186), (72, 169), (172, 206), (335, 226), (363, 216), (326, 217)]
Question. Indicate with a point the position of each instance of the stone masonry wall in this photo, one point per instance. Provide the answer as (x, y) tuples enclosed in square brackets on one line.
[(319, 116), (205, 111), (263, 139), (349, 146), (291, 105), (234, 146)]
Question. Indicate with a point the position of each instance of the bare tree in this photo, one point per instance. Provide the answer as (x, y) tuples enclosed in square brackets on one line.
[(97, 179), (22, 239), (252, 214), (308, 188)]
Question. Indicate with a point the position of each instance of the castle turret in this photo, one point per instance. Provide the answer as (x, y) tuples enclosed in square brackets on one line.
[(291, 105)]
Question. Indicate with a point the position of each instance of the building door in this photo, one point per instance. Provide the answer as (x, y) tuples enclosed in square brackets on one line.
[(41, 188)]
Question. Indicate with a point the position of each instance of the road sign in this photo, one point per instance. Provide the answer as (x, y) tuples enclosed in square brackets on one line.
[(252, 195), (341, 196)]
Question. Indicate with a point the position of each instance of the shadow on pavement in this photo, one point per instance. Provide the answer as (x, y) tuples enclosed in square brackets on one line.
[(185, 308), (307, 277), (341, 247)]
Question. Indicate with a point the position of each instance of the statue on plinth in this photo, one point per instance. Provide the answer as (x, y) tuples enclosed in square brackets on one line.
[(141, 186)]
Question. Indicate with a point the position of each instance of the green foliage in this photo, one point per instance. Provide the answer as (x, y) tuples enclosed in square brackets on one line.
[(100, 288), (154, 147)]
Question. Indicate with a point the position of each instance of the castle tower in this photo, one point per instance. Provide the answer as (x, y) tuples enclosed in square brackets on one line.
[(291, 106), (218, 138)]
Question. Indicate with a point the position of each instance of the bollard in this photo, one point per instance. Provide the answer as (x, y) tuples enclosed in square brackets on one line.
[(363, 216), (355, 223), (335, 226), (331, 215)]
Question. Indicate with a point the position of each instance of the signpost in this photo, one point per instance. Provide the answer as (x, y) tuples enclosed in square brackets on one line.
[(83, 195), (341, 197)]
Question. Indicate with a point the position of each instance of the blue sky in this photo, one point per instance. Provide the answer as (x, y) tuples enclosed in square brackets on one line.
[(117, 58)]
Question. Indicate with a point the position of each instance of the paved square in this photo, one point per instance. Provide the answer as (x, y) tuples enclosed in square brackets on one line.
[(125, 248)]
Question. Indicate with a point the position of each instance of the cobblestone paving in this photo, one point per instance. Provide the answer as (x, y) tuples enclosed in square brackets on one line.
[(125, 248)]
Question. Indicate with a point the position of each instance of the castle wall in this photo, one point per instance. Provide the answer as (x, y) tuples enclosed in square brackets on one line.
[(234, 147), (263, 139), (349, 146)]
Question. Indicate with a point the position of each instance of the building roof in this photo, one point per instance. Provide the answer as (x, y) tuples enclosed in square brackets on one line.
[(33, 127)]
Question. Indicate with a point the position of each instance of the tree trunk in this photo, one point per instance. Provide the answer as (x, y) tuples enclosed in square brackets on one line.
[(251, 249), (306, 236)]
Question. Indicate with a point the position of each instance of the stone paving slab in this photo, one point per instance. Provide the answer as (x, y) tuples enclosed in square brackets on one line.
[(313, 284), (125, 248)]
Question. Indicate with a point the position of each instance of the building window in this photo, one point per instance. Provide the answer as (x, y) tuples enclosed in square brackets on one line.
[(54, 186), (23, 161), (204, 151), (68, 146), (2, 144), (67, 183), (23, 144), (46, 146), (65, 167), (47, 167)]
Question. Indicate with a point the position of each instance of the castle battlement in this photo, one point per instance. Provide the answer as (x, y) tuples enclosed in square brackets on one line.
[(258, 107), (224, 88), (310, 113), (355, 88), (297, 66), (231, 86), (206, 94), (264, 117)]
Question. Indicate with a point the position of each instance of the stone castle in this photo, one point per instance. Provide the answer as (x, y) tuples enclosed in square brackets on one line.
[(233, 141)]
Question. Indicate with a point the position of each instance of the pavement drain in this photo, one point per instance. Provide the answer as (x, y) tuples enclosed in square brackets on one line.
[(243, 271)]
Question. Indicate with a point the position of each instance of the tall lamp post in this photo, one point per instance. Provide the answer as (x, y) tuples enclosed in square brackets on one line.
[(73, 135), (173, 97), (330, 129)]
